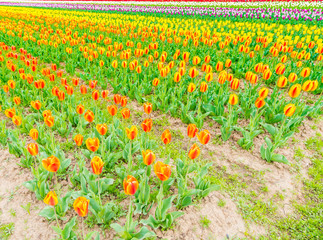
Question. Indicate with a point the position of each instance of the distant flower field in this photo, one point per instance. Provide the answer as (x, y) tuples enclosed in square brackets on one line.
[(71, 70)]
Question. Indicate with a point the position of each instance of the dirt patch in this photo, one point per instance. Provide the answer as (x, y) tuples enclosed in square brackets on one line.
[(224, 221), (14, 195)]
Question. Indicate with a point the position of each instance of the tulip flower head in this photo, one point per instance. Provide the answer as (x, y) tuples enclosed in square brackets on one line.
[(295, 90), (102, 128), (17, 120), (147, 125), (162, 171), (51, 164), (81, 206), (166, 136), (192, 130), (233, 99), (130, 185), (49, 121), (204, 136), (33, 133), (78, 139), (132, 132), (51, 198), (289, 110), (89, 116), (112, 109), (194, 151), (125, 113), (148, 107), (260, 102), (92, 144), (148, 157), (32, 149), (97, 165)]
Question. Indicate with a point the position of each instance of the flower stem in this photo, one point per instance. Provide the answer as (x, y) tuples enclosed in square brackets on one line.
[(56, 218)]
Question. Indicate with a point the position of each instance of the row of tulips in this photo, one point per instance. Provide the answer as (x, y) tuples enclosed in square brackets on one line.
[(41, 112), (169, 87), (233, 13)]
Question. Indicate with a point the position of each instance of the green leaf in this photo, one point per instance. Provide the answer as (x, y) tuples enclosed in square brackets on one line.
[(47, 212), (68, 228), (144, 233), (279, 158), (167, 203), (117, 227), (270, 128)]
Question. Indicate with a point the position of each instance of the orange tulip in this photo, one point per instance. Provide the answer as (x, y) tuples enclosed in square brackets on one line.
[(263, 93), (17, 120), (97, 165), (75, 81), (6, 88), (233, 99), (12, 84), (148, 107), (191, 87), (17, 100), (81, 206), (147, 125), (289, 110), (228, 63), (32, 149), (219, 66), (203, 87), (89, 116), (47, 113), (117, 99), (193, 72), (69, 90), (104, 94), (235, 84), (307, 86), (315, 85), (132, 132), (61, 95), (33, 133), (92, 144), (166, 136), (80, 109), (49, 121), (130, 185), (194, 152), (102, 128), (83, 89), (281, 82), (112, 109), (92, 84), (155, 82), (204, 136), (78, 139), (148, 156), (123, 101), (51, 198), (95, 95), (10, 112), (51, 164), (295, 90), (192, 130), (36, 104), (260, 102), (162, 170), (125, 113), (305, 72), (292, 77)]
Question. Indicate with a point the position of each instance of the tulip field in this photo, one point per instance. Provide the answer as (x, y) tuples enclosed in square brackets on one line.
[(161, 120)]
